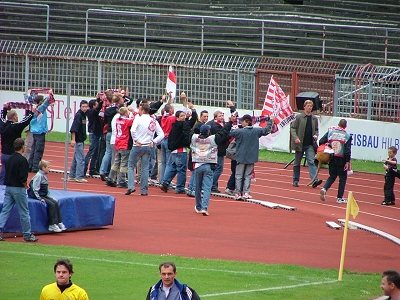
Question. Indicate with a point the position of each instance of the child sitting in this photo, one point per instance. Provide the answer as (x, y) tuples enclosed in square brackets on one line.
[(39, 189)]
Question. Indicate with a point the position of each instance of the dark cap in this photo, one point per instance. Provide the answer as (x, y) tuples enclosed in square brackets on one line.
[(247, 118), (205, 129)]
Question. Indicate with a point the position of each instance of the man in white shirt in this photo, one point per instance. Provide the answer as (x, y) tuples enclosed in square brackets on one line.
[(143, 129)]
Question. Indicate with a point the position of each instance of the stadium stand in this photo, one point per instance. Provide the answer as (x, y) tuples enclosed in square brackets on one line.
[(307, 29)]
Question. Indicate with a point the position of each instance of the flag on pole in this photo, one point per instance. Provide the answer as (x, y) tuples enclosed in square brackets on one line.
[(354, 209), (171, 83), (277, 104)]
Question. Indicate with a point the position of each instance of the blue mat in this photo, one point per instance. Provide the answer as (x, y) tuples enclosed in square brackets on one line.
[(79, 211)]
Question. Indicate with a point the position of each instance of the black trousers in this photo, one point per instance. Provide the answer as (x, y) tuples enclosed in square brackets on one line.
[(53, 210), (388, 187)]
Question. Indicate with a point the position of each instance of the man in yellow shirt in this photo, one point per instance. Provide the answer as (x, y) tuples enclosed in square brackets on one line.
[(63, 288)]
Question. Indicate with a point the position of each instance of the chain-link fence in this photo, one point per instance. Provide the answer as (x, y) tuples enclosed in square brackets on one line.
[(209, 80)]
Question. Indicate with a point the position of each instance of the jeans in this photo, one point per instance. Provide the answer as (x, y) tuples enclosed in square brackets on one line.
[(37, 151), (243, 177), (165, 154), (78, 162), (203, 176), (106, 162), (336, 168), (4, 159), (192, 183), (136, 154), (176, 166), (152, 161), (93, 153), (18, 196), (217, 172), (310, 156)]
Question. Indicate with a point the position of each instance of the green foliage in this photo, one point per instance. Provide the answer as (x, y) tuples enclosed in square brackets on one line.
[(26, 268)]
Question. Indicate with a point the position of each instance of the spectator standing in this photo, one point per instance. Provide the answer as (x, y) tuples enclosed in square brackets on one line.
[(39, 189), (216, 125), (204, 159), (390, 165), (169, 287), (304, 134), (109, 114), (119, 168), (247, 150), (16, 176), (203, 119), (39, 128), (63, 288), (78, 137), (10, 130), (95, 129), (167, 119), (142, 131), (339, 163), (178, 140)]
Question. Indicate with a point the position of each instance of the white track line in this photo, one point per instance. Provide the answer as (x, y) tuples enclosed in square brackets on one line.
[(276, 288)]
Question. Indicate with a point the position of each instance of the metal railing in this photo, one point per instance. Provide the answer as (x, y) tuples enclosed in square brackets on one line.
[(255, 36), (30, 5)]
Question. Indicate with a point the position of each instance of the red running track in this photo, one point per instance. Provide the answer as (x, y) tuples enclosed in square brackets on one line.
[(165, 223)]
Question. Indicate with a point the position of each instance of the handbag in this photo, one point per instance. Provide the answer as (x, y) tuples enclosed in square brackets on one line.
[(231, 150)]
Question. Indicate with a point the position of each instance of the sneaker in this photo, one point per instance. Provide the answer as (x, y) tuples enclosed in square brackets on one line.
[(81, 180), (196, 210), (110, 183), (129, 191), (62, 226), (54, 228), (341, 200), (95, 173), (316, 183), (164, 188), (238, 196), (322, 194), (247, 196), (190, 193), (388, 203), (229, 192), (180, 192), (71, 179), (204, 212), (122, 185), (31, 239), (295, 183), (215, 190), (103, 177)]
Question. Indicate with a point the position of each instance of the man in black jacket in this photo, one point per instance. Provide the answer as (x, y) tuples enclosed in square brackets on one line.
[(10, 131), (178, 141), (16, 178)]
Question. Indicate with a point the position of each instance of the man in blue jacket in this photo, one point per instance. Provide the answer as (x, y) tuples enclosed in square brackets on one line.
[(39, 128), (170, 288)]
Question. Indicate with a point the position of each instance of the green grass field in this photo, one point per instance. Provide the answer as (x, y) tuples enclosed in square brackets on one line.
[(26, 268)]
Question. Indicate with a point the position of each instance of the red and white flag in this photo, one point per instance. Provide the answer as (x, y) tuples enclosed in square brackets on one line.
[(277, 104), (171, 83)]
